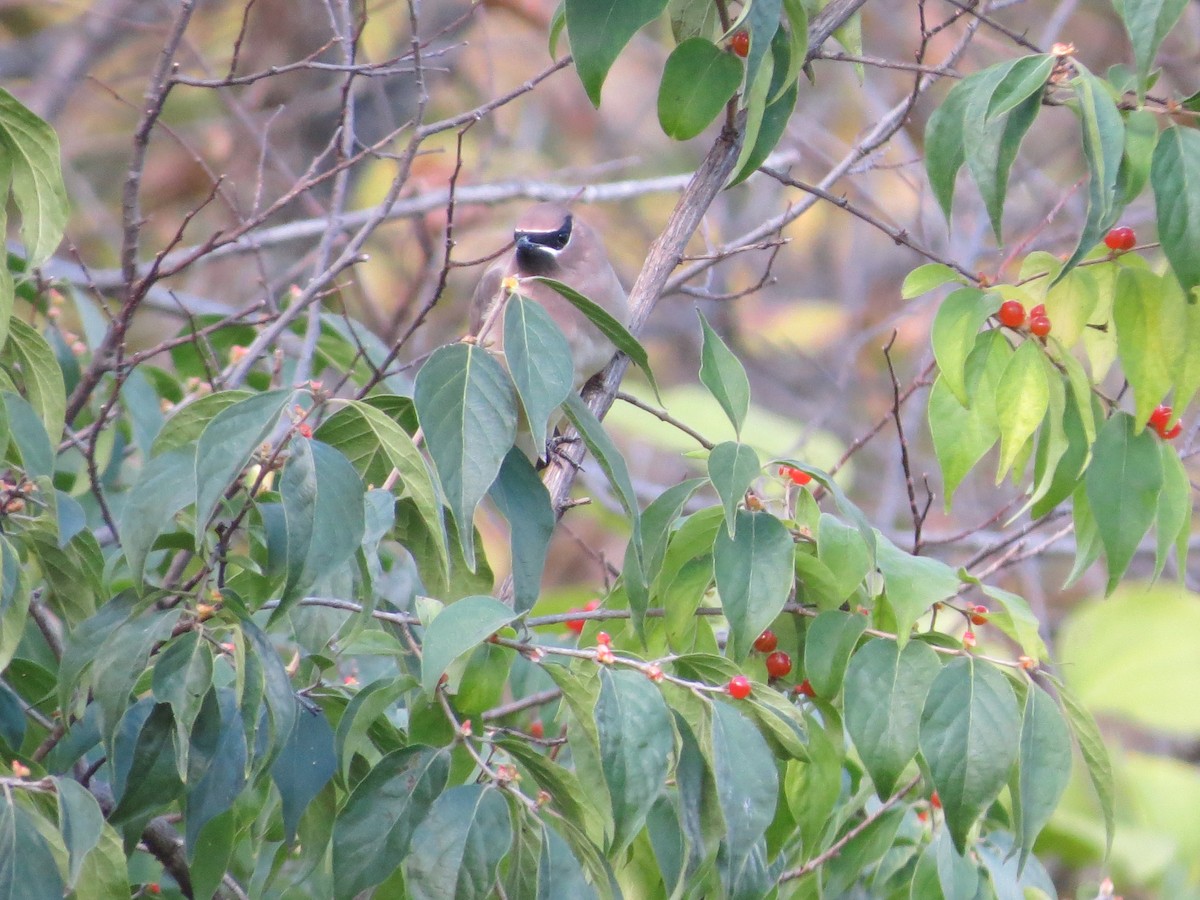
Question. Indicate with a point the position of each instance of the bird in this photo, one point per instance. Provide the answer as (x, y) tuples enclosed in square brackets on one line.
[(553, 242)]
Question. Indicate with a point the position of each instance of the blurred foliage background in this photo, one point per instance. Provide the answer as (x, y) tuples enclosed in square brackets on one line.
[(808, 312)]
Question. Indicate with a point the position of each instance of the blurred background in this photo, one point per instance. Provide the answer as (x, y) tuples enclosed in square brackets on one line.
[(264, 91)]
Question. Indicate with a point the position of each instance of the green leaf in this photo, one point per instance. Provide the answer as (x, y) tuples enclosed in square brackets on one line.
[(27, 867), (1141, 136), (828, 643), (304, 766), (1023, 79), (955, 331), (862, 852), (456, 629), (216, 764), (1068, 469), (961, 436), (373, 831), (770, 129), (913, 584), (31, 147), (1095, 756), (611, 328), (1148, 22), (1103, 146), (524, 501), (1187, 366), (732, 468), (14, 607), (635, 761), (944, 147), (1016, 619), (227, 444), (145, 774), (724, 376), (842, 549), (1175, 177), (1123, 481), (325, 516), (468, 411), (1044, 766), (969, 738), (120, 661), (280, 698), (26, 430), (746, 780), (539, 361), (599, 30), (991, 145), (1173, 518), (363, 432), (754, 575), (41, 375), (924, 279), (365, 709), (698, 80), (691, 18), (1022, 398), (658, 522), (600, 445), (958, 874), (886, 687), (1150, 330), (182, 678), (187, 423), (80, 821), (457, 853)]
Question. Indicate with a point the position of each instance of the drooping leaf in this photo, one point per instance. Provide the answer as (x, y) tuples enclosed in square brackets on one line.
[(182, 678), (913, 584), (658, 521), (842, 549), (1175, 177), (227, 444), (954, 334), (944, 148), (961, 436), (635, 762), (1022, 399), (1095, 756), (216, 764), (746, 780), (1123, 481), (324, 514), (524, 501), (600, 445), (724, 376), (373, 831), (539, 360), (166, 484), (698, 80), (468, 410), (969, 737), (1148, 22), (80, 821), (1150, 332), (1044, 766), (599, 30), (732, 467), (886, 687), (41, 376), (455, 630), (31, 147), (456, 854), (754, 574), (1173, 519)]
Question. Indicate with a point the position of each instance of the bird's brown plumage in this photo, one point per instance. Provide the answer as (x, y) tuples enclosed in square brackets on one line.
[(581, 263)]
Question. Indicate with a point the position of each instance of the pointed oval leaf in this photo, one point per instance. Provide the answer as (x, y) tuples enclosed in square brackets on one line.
[(1123, 482), (747, 782), (455, 630), (828, 643), (80, 821), (41, 374), (1026, 77), (304, 766), (1175, 177), (1148, 22), (1150, 332), (227, 444), (37, 184), (754, 576), (457, 853), (944, 150), (524, 501), (373, 831), (969, 738), (29, 434), (1095, 756), (27, 867), (961, 436), (886, 687), (1044, 766), (635, 761), (724, 376), (599, 30), (324, 514), (955, 331), (539, 360), (732, 467), (924, 279), (1022, 398), (166, 484), (913, 584), (467, 408), (698, 80), (601, 446)]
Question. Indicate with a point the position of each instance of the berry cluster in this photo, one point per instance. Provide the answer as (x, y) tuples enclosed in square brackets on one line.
[(1159, 419), (1012, 315)]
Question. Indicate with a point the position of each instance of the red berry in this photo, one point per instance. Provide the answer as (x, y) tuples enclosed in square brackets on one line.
[(935, 801), (805, 688), (1120, 239), (738, 687), (576, 625), (1011, 313), (1159, 418), (740, 43), (1039, 325), (797, 476), (1173, 433), (979, 615), (766, 642), (778, 664), (305, 429), (603, 638), (537, 729), (1039, 310)]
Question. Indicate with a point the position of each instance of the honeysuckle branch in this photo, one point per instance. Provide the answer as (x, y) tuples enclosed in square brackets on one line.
[(665, 416)]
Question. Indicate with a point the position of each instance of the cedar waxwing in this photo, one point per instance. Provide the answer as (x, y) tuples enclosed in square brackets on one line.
[(553, 242)]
